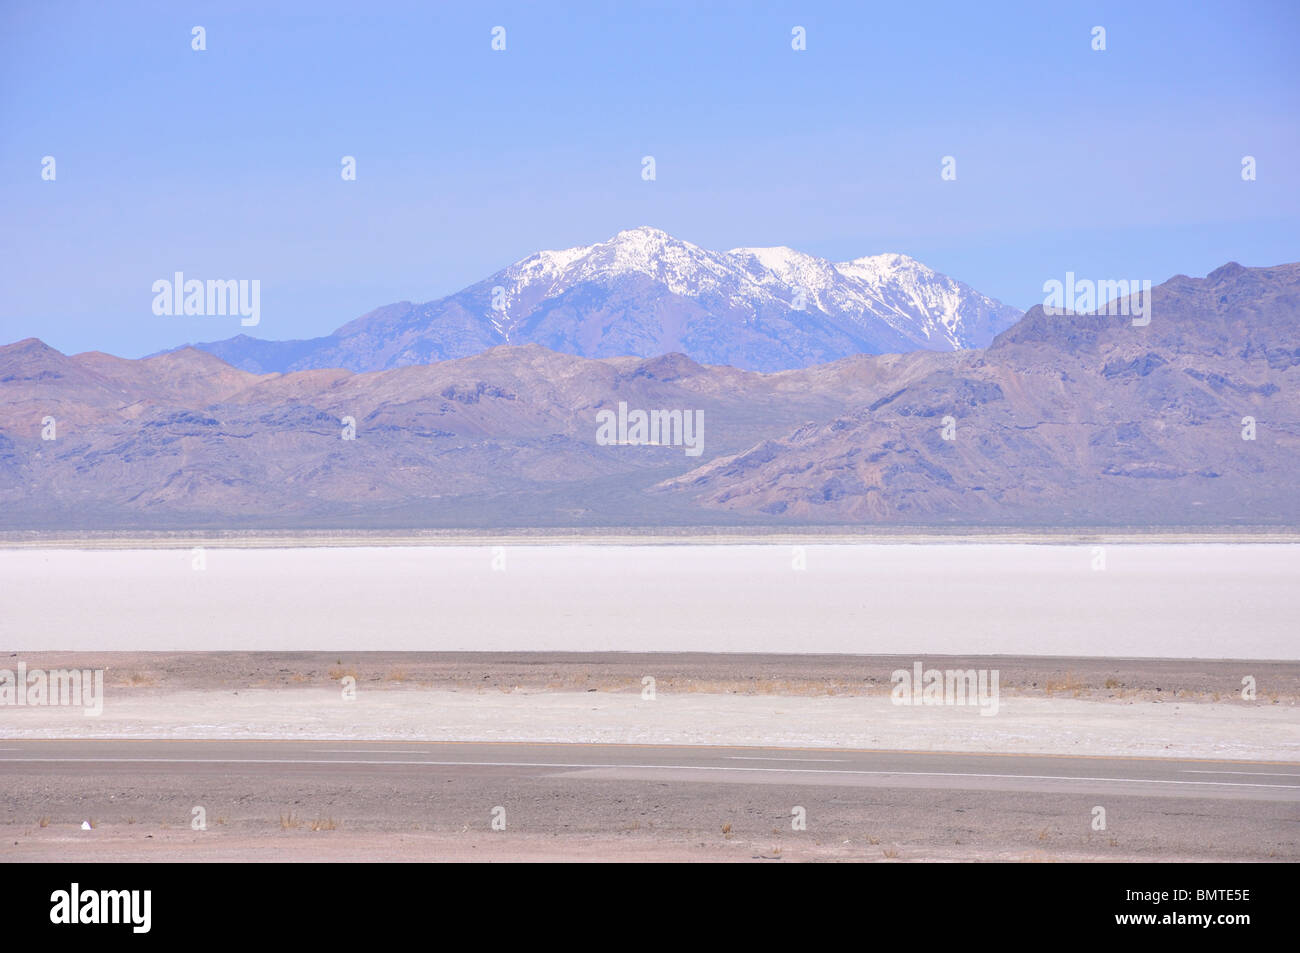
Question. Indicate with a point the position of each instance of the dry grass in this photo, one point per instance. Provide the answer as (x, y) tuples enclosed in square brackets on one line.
[(290, 822), (765, 686), (1070, 683), (323, 824), (44, 820), (337, 672), (890, 852)]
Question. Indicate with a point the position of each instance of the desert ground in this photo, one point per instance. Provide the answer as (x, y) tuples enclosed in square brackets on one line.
[(629, 699), (589, 767), (1115, 600)]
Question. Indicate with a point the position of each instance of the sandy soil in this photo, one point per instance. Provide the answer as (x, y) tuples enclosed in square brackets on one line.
[(674, 672), (1070, 706), (1061, 706), (145, 843)]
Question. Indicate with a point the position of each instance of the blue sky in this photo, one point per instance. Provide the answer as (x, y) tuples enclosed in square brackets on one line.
[(225, 163)]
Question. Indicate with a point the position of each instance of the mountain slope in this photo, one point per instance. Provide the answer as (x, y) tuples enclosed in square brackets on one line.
[(508, 435), (1062, 420), (644, 293), (1074, 420)]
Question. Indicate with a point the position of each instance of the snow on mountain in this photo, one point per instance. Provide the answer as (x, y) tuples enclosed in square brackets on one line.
[(941, 308), (679, 267), (644, 292), (931, 309), (925, 306)]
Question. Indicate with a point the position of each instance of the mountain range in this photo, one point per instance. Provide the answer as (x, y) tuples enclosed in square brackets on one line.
[(644, 293), (1062, 420)]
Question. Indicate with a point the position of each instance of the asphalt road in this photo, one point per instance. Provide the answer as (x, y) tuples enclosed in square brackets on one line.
[(654, 802)]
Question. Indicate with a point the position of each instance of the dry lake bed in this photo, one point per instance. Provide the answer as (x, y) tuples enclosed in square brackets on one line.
[(1150, 600)]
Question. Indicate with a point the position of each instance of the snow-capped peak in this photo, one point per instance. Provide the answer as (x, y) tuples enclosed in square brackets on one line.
[(885, 266), (918, 304), (642, 234), (684, 268)]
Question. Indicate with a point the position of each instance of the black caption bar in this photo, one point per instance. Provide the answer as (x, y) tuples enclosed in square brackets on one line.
[(303, 902)]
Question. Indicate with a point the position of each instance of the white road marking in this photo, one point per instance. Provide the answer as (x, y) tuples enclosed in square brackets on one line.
[(646, 767), (741, 757), (1262, 774)]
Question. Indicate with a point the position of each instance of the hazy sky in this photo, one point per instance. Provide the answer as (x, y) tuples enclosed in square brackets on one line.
[(225, 163)]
